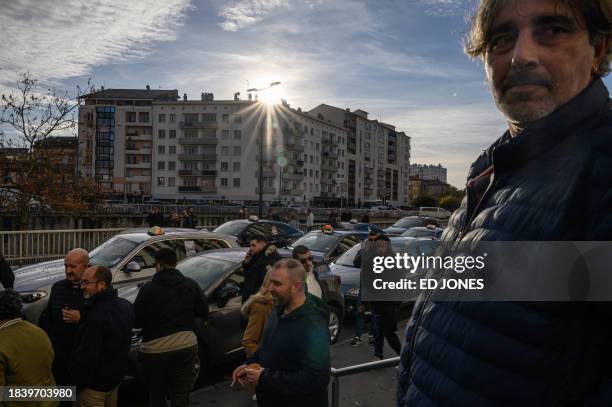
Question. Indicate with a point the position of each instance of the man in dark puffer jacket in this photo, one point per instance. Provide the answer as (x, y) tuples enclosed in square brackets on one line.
[(549, 178)]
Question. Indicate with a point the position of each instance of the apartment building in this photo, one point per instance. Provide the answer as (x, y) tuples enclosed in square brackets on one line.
[(429, 172), (152, 143), (378, 156)]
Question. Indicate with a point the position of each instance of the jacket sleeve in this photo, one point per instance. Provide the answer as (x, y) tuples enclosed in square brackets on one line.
[(140, 307), (254, 329), (407, 354), (201, 305), (313, 374), (86, 353)]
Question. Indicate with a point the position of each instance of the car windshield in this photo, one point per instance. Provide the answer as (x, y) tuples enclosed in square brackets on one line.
[(109, 253), (348, 258), (231, 228), (407, 223), (316, 242), (205, 270), (419, 233)]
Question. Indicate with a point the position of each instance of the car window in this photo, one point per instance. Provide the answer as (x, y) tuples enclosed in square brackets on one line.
[(231, 228), (345, 244), (286, 229), (145, 257), (349, 256), (316, 242), (237, 277), (408, 223), (205, 270), (193, 246)]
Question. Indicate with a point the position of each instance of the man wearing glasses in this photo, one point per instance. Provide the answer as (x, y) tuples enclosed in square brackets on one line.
[(302, 254), (103, 340)]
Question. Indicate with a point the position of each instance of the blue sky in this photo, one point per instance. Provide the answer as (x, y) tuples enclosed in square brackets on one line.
[(400, 60)]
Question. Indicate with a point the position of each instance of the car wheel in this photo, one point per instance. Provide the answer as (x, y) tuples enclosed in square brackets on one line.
[(335, 326)]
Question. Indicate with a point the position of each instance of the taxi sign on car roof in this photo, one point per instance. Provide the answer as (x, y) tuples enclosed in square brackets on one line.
[(327, 229), (155, 231)]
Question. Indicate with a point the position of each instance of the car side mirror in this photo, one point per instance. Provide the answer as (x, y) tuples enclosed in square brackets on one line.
[(133, 267), (225, 293)]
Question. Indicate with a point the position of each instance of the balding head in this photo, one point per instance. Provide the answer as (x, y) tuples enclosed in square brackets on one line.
[(75, 263)]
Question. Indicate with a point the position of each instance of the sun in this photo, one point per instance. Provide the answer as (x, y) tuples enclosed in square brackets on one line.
[(271, 95)]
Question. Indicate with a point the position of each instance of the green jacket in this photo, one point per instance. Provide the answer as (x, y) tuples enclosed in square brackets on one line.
[(26, 357)]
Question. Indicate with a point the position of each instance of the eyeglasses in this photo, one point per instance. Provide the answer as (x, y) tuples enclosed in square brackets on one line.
[(86, 282), (306, 260)]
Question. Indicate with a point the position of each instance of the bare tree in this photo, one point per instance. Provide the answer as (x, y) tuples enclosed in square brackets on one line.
[(38, 169)]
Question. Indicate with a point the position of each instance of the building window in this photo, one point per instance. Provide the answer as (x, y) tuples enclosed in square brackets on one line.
[(225, 118), (236, 182), (317, 174), (171, 181), (224, 166), (237, 150), (172, 133), (130, 117), (172, 118), (317, 146), (311, 173), (161, 133), (161, 181), (161, 165), (311, 159), (143, 117), (209, 117), (171, 166), (236, 166), (161, 118), (224, 150), (172, 150), (224, 134), (190, 133), (161, 149), (224, 182), (237, 135)]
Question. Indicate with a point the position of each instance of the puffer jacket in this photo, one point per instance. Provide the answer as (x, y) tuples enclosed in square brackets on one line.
[(255, 269), (551, 182)]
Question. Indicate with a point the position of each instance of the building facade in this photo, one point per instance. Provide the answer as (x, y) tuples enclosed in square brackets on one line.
[(154, 144), (429, 172)]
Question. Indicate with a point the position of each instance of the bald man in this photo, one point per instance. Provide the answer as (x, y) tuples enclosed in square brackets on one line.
[(63, 312)]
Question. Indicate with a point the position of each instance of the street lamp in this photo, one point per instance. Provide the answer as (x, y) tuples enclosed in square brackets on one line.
[(261, 151)]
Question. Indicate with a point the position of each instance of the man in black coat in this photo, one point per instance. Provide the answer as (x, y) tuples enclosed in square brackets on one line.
[(257, 261), (155, 218), (100, 356), (166, 310), (63, 313), (7, 278), (548, 178)]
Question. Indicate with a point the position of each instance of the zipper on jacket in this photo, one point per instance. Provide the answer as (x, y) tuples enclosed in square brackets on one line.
[(482, 199)]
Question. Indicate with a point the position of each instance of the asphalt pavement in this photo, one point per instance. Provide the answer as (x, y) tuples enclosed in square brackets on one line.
[(370, 389)]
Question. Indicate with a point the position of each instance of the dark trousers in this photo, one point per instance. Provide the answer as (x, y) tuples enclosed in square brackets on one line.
[(169, 375), (385, 326)]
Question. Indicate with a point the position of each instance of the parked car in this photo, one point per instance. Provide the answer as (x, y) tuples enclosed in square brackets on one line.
[(130, 255), (326, 246), (360, 227), (408, 222), (430, 232), (434, 212), (277, 233), (348, 266)]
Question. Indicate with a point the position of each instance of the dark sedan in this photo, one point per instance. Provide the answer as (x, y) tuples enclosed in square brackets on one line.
[(348, 266), (408, 222), (326, 246), (277, 233)]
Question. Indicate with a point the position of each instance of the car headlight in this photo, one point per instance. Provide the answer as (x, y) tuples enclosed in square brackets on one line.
[(353, 292), (28, 297)]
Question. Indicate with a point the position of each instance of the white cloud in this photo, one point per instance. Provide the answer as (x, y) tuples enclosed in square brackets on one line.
[(245, 13), (444, 8), (57, 42)]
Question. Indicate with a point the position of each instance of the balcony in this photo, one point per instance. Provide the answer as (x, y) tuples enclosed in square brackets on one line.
[(266, 190), (266, 173), (197, 173), (198, 141), (328, 167), (138, 178), (138, 137), (299, 163), (198, 189), (197, 157), (198, 125), (139, 165), (294, 147)]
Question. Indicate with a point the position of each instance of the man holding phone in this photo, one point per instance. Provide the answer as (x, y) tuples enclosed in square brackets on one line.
[(63, 312)]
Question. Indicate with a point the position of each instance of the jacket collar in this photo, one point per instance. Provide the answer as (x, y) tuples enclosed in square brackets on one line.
[(102, 296), (544, 134)]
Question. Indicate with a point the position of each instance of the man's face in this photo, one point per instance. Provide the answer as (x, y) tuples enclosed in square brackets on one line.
[(74, 266), (256, 246), (538, 58), (306, 260), (89, 284), (281, 286)]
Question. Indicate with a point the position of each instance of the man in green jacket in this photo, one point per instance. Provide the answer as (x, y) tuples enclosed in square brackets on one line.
[(26, 354)]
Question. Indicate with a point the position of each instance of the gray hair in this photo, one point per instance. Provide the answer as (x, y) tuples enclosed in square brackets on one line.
[(294, 268)]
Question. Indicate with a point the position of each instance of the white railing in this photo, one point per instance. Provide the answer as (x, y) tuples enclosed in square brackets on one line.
[(33, 246)]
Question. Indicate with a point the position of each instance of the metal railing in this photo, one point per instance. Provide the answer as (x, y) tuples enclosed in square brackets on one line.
[(336, 374)]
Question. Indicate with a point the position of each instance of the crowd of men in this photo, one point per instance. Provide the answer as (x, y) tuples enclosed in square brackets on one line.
[(185, 219)]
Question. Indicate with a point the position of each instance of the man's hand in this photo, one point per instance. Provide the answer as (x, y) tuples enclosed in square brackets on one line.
[(252, 375), (239, 375), (71, 316)]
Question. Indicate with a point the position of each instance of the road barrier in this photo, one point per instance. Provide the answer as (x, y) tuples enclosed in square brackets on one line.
[(336, 374)]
